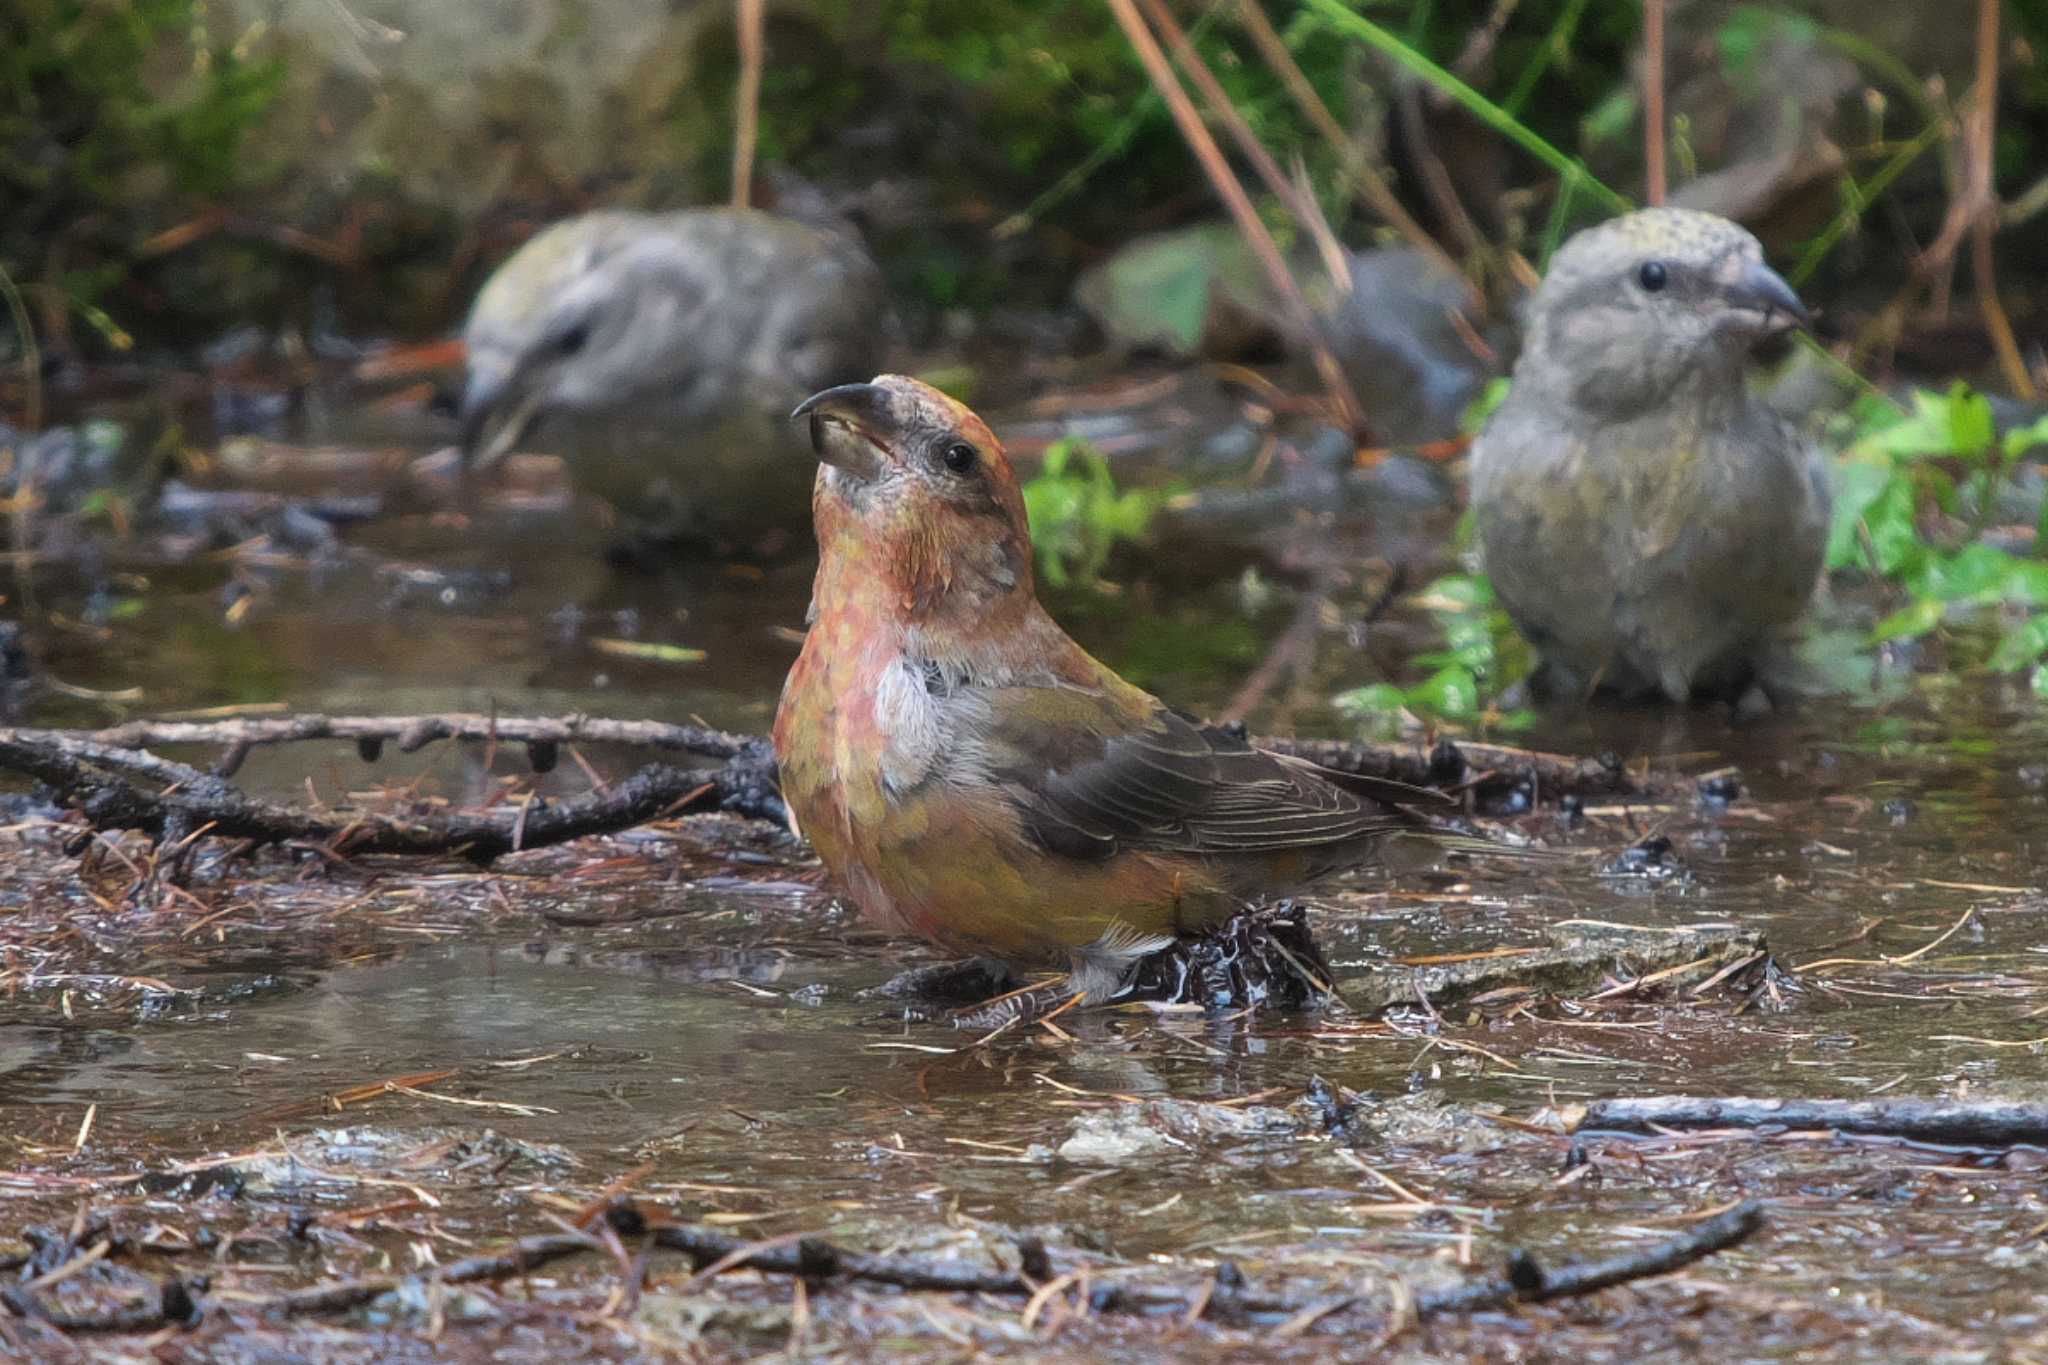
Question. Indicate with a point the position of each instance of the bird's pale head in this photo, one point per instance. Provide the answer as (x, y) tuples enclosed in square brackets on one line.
[(1633, 308), (917, 489), (577, 320)]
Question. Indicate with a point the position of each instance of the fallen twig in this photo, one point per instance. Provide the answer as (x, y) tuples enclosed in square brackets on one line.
[(1988, 1123), (1496, 774), (100, 781), (817, 1261), (543, 735)]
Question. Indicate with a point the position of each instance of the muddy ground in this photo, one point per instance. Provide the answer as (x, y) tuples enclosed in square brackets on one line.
[(300, 1071)]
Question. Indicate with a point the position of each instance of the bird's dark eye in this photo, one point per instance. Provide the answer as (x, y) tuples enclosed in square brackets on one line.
[(573, 340), (1653, 276), (960, 457)]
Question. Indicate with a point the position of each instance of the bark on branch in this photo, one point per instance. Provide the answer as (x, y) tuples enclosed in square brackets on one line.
[(819, 1262), (174, 804), (1987, 1123)]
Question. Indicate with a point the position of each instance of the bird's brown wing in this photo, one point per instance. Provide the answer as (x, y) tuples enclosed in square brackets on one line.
[(1090, 780)]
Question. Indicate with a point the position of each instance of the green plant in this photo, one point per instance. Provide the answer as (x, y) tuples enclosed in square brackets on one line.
[(1480, 659), (1915, 492), (1078, 515), (114, 113)]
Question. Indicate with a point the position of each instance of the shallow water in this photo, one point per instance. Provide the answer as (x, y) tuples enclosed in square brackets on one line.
[(717, 1037)]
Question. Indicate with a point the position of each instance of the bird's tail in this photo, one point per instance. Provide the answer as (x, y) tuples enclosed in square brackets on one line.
[(1480, 846)]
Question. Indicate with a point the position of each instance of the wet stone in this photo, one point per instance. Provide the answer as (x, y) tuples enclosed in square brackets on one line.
[(1134, 1132), (1654, 859)]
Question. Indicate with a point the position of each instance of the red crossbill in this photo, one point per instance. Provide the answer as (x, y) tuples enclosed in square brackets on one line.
[(1649, 523), (656, 350), (969, 774)]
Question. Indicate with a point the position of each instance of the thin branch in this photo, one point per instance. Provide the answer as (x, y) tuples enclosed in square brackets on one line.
[(751, 18), (1983, 131), (1371, 185), (1653, 101), (1349, 411), (1300, 204), (1974, 211), (542, 735), (1988, 1123), (815, 1260), (99, 780), (1488, 770), (1485, 110)]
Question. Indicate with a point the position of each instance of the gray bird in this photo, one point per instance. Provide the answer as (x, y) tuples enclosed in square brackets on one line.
[(661, 353), (1652, 527)]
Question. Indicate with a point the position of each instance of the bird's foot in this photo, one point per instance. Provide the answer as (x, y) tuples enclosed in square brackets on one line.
[(1261, 958), (944, 985), (1024, 1006)]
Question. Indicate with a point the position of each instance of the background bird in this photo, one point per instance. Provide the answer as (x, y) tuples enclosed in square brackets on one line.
[(970, 774), (660, 353), (1650, 524)]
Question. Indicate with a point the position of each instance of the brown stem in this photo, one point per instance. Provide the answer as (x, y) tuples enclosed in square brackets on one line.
[(1372, 186), (1348, 409), (1653, 100), (1973, 213), (1983, 134), (1302, 205), (1436, 177), (751, 18)]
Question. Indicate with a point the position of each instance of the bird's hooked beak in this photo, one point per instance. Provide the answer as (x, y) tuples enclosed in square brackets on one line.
[(1756, 288), (489, 396), (852, 428)]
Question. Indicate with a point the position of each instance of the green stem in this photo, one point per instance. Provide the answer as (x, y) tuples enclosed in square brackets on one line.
[(1480, 107), (1553, 43), (1110, 148), (1860, 197)]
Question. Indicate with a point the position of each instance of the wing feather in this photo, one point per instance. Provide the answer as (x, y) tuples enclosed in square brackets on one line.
[(1094, 774)]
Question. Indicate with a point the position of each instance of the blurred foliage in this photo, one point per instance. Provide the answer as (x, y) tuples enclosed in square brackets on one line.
[(1481, 657), (1915, 492), (1078, 515), (114, 114)]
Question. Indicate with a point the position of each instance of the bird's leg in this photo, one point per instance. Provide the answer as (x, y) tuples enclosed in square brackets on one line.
[(1026, 1005)]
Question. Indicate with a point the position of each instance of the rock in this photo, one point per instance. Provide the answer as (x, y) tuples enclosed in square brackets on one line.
[(1393, 334), (661, 354), (1585, 957), (1199, 292), (1195, 291), (65, 466), (1132, 1132)]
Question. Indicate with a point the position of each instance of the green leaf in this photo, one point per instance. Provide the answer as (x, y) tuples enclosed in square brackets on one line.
[(1928, 430), (1858, 484), (2039, 682), (1449, 692), (2028, 582), (1374, 699), (1473, 418), (1910, 622), (1975, 571), (2022, 646), (2020, 440), (649, 651), (1969, 420), (1894, 529)]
